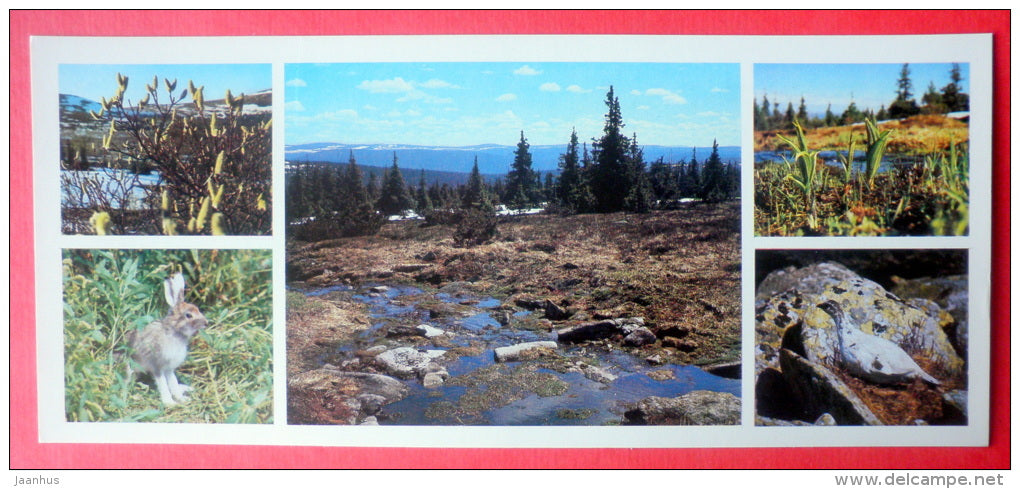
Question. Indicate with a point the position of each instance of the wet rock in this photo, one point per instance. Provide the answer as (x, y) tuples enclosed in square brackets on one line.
[(397, 331), (434, 379), (513, 353), (379, 289), (429, 331), (819, 391), (662, 375), (404, 362), (693, 408), (597, 374), (503, 317), (638, 336), (409, 268), (530, 303), (555, 312), (655, 359), (728, 370), (371, 403), (370, 421), (597, 330)]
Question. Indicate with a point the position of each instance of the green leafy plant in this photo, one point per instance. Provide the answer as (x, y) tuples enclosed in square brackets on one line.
[(876, 143), (806, 169)]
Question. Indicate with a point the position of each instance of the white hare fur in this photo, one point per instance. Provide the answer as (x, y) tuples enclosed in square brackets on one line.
[(162, 345)]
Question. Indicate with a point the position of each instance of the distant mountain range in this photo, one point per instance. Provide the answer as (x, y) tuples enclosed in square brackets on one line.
[(493, 159), (76, 109)]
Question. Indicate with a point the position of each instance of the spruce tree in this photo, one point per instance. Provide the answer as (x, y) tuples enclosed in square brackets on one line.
[(904, 104), (522, 182), (713, 187), (952, 94), (693, 175), (762, 118), (357, 215), (568, 190), (802, 114), (474, 192), (639, 194), (394, 198), (610, 183)]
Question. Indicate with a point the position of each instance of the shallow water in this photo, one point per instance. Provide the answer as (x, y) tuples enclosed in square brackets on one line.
[(584, 401), (832, 158)]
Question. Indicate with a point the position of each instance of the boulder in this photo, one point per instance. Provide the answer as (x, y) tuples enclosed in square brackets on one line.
[(328, 396), (404, 362), (597, 374), (597, 330), (693, 408), (818, 391), (429, 331), (555, 312), (513, 353), (638, 336), (409, 268)]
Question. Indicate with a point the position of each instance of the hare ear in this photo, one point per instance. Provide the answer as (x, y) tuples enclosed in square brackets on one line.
[(173, 289)]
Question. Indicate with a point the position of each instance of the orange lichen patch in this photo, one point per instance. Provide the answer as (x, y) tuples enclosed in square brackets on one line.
[(898, 404)]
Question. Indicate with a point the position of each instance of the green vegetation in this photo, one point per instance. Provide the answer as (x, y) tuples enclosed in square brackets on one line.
[(806, 197), (810, 198), (230, 364)]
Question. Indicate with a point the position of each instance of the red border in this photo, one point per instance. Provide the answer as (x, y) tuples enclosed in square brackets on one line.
[(27, 453)]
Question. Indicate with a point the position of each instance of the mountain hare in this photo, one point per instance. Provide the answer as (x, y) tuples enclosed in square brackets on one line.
[(161, 346)]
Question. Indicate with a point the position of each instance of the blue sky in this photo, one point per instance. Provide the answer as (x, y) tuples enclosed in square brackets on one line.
[(868, 85), (95, 81), (461, 104)]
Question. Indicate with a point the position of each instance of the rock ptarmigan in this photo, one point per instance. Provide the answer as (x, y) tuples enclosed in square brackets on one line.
[(870, 357)]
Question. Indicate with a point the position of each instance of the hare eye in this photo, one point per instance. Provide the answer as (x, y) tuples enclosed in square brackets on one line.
[(187, 315)]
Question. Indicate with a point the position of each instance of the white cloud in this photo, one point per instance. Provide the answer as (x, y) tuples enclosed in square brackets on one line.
[(296, 82), (549, 87), (668, 96), (719, 90), (506, 97), (437, 83), (526, 71), (370, 107), (643, 107), (295, 106), (635, 92), (395, 85), (343, 114), (576, 89)]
